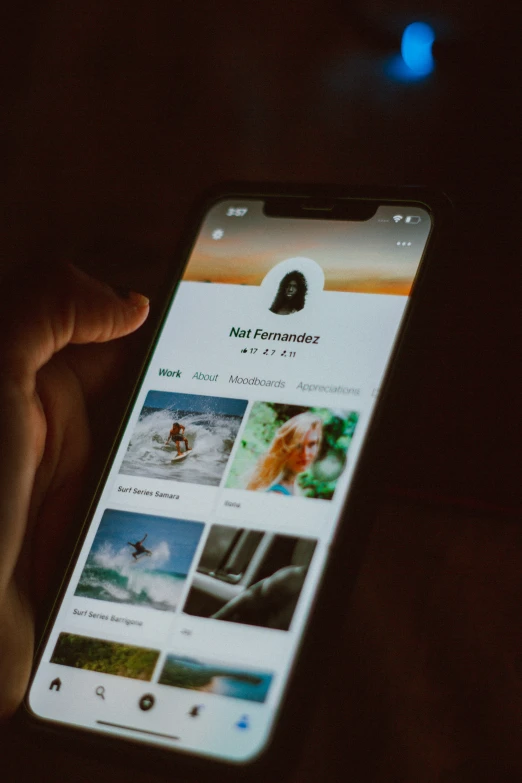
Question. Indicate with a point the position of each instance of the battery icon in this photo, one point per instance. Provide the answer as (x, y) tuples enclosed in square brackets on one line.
[(412, 219)]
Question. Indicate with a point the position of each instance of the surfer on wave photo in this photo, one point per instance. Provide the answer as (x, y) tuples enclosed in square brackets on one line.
[(202, 431), (177, 437), (140, 549), (151, 577)]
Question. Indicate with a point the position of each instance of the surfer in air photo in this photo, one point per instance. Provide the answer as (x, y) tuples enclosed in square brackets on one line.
[(140, 549), (177, 437)]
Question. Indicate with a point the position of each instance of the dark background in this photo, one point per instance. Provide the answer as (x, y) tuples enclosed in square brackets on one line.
[(116, 116)]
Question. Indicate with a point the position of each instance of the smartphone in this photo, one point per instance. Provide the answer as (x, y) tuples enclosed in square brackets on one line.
[(188, 603)]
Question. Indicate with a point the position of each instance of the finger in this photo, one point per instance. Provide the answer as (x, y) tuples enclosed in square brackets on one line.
[(115, 363), (51, 308)]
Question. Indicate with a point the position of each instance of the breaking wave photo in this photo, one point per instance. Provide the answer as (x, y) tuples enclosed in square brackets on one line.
[(139, 559), (209, 425)]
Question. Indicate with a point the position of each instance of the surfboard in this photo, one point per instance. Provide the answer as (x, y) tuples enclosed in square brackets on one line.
[(178, 457)]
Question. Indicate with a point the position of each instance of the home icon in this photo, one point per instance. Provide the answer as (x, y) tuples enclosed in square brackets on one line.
[(55, 685)]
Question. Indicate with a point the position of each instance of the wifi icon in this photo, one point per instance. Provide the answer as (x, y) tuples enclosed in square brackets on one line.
[(397, 218)]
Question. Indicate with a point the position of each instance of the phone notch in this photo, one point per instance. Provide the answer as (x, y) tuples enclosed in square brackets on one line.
[(320, 208)]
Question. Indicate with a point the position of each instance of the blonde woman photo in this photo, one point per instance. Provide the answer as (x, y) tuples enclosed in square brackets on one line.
[(292, 450), (295, 446)]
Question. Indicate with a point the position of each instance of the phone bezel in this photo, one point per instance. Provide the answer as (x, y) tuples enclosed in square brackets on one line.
[(284, 740)]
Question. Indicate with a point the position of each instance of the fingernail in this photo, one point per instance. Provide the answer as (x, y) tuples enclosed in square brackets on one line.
[(131, 297)]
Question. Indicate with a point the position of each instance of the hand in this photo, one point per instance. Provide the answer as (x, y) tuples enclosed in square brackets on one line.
[(46, 383)]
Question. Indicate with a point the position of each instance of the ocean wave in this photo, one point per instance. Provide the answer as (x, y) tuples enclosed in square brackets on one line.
[(115, 576), (116, 593), (123, 562), (210, 436)]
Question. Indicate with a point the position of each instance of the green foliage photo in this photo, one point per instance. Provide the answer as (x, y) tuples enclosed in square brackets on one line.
[(320, 480), (98, 655)]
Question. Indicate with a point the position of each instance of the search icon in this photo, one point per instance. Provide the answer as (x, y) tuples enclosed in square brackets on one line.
[(100, 691)]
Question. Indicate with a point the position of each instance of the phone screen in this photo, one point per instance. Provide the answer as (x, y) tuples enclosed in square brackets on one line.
[(184, 611)]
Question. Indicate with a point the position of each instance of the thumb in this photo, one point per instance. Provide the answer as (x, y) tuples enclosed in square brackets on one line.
[(49, 309)]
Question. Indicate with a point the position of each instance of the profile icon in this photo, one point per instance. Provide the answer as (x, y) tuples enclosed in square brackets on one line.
[(291, 294), (292, 286)]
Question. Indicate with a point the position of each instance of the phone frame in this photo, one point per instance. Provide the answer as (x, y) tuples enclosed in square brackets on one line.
[(286, 737)]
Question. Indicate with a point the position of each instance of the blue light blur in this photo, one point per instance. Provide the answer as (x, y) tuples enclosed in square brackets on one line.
[(417, 40), (416, 60)]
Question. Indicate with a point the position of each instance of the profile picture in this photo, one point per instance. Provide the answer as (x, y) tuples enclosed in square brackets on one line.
[(183, 437), (292, 285), (139, 559), (250, 576), (291, 450), (291, 294)]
